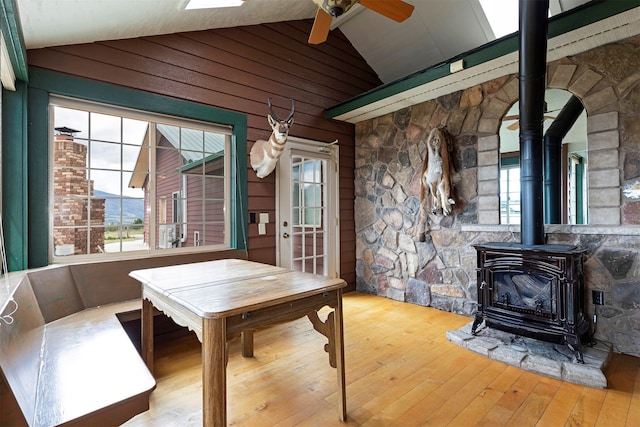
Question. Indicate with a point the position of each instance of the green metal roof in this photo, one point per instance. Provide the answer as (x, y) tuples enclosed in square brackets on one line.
[(194, 145)]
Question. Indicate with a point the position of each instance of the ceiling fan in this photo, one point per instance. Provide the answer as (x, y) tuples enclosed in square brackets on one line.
[(516, 125), (397, 10)]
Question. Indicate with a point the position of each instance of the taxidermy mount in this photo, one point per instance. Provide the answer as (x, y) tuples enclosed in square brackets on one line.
[(264, 154), (438, 178)]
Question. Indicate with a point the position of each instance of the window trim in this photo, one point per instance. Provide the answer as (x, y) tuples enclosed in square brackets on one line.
[(44, 83)]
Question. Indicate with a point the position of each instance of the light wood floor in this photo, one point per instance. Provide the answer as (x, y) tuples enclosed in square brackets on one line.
[(401, 371)]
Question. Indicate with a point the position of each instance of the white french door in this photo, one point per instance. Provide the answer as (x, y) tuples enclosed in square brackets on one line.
[(308, 227)]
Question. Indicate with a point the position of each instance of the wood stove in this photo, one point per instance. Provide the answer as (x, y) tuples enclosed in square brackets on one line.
[(533, 291), (531, 288)]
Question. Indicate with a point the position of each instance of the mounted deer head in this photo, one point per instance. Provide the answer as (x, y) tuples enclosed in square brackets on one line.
[(264, 154)]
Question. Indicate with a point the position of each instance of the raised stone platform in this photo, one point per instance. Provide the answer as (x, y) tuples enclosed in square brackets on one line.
[(553, 360)]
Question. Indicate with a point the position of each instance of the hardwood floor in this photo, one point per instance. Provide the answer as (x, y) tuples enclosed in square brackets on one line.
[(400, 369)]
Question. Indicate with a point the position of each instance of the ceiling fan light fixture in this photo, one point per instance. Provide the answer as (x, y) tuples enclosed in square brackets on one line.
[(336, 11), (336, 8)]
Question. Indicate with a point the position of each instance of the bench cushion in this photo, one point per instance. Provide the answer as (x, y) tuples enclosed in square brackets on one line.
[(91, 365)]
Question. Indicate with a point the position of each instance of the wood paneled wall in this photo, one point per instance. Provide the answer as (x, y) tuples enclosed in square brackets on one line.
[(238, 69)]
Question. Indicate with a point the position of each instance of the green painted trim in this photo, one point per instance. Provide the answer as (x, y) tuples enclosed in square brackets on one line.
[(15, 212), (60, 84), (91, 90), (510, 161), (38, 180), (12, 32), (239, 199), (589, 13)]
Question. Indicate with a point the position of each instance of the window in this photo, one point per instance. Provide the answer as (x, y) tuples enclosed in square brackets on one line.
[(130, 181), (510, 191), (307, 192), (308, 210), (501, 15), (177, 207), (577, 183)]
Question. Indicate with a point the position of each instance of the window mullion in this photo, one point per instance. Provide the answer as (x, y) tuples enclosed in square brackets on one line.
[(153, 219)]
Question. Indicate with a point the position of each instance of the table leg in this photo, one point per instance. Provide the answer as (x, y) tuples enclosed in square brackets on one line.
[(147, 333), (247, 343), (214, 372), (339, 339)]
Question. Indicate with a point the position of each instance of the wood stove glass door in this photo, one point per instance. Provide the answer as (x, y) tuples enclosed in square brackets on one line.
[(529, 293)]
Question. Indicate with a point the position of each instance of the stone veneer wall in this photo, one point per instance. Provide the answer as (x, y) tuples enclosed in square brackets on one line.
[(441, 272)]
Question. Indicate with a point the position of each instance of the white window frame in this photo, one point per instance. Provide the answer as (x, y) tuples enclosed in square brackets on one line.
[(128, 113)]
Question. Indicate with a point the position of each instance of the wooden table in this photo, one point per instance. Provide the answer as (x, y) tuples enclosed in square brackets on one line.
[(221, 300)]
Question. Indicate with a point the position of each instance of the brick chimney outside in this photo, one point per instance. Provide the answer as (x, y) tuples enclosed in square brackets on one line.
[(71, 190)]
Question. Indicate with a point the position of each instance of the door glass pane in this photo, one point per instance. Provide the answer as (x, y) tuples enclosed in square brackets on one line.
[(307, 212)]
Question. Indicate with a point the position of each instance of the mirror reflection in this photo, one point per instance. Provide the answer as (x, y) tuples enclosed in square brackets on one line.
[(569, 162)]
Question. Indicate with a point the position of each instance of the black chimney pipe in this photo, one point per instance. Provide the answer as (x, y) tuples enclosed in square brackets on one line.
[(532, 74), (553, 159)]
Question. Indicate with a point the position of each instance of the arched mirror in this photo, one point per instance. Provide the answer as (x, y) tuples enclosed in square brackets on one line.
[(567, 172)]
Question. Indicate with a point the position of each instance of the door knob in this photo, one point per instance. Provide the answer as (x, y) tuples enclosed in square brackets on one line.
[(285, 235)]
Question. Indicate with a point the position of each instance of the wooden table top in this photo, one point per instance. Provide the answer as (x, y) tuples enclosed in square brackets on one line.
[(228, 287)]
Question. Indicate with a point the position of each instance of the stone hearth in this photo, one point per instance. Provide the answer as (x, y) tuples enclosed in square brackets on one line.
[(553, 360)]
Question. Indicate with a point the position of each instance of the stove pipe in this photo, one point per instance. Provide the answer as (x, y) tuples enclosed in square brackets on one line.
[(532, 75), (553, 158)]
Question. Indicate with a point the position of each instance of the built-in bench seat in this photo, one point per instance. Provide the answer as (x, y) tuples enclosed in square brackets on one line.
[(64, 354), (91, 372), (81, 369)]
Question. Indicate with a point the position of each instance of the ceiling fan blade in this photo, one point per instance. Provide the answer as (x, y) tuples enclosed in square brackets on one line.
[(321, 25), (393, 9), (514, 125)]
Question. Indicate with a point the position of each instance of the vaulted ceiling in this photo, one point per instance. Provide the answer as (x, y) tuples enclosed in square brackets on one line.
[(438, 29)]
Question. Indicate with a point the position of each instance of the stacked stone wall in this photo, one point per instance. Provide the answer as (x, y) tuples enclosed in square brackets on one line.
[(441, 271)]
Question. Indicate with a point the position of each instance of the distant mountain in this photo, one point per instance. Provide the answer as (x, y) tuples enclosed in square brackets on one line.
[(132, 209)]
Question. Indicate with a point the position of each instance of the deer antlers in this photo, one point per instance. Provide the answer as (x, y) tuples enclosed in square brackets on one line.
[(273, 114)]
